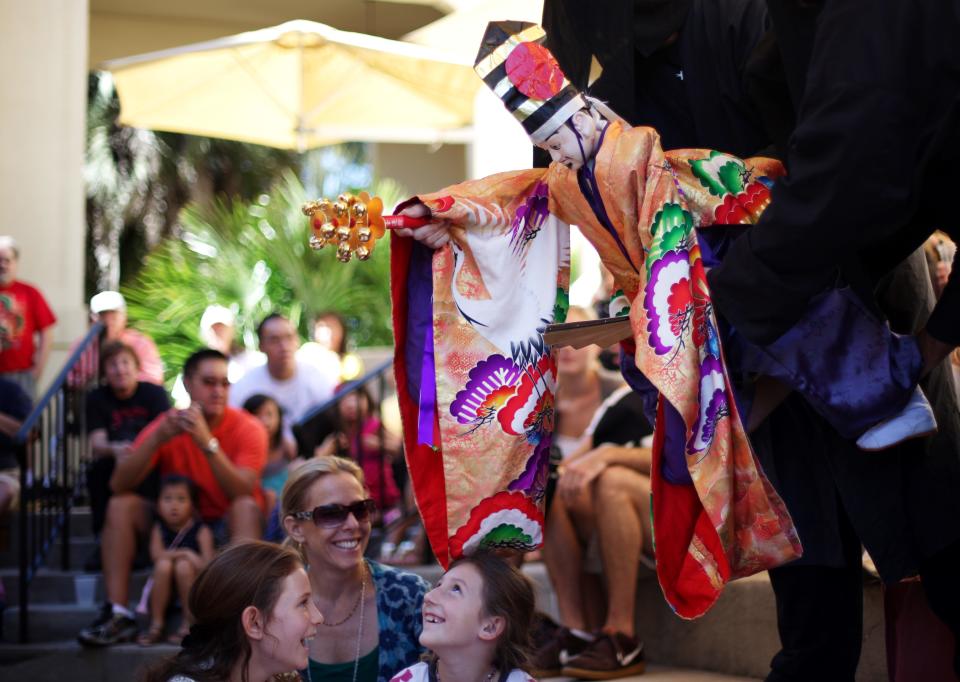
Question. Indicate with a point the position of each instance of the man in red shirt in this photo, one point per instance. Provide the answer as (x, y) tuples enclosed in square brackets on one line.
[(221, 449), (24, 314)]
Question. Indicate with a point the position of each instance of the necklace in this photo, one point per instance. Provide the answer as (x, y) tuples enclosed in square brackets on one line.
[(363, 585), (361, 603), (356, 660)]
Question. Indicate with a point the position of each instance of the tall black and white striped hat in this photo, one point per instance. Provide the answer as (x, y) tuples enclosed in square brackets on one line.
[(513, 62)]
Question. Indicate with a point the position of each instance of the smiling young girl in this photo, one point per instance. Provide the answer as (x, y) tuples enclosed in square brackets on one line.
[(254, 619), (476, 623)]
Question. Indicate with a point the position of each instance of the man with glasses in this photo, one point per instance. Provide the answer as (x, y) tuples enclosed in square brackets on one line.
[(221, 449), (296, 386)]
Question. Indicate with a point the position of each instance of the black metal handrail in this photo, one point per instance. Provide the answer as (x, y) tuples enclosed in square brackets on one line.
[(52, 447)]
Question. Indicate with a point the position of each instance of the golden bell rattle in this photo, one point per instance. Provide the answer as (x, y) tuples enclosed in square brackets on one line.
[(353, 224)]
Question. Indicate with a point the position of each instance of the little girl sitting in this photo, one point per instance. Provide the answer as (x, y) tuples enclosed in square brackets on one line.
[(181, 545), (282, 449), (476, 623)]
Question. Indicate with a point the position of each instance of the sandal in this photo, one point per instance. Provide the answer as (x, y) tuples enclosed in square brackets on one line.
[(151, 636), (177, 637)]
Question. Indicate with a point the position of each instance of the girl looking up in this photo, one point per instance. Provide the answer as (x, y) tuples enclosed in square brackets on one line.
[(476, 623)]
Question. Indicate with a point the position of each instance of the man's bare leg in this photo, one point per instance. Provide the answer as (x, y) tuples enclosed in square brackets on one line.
[(622, 496), (128, 515)]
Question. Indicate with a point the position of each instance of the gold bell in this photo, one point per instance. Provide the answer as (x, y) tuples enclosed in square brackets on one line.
[(341, 209), (317, 243), (364, 234), (359, 211), (363, 253), (327, 231), (343, 233), (343, 252)]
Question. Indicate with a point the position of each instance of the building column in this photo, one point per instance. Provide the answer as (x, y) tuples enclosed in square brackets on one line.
[(43, 102)]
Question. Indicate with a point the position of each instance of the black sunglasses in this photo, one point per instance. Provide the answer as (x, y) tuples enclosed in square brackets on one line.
[(332, 515)]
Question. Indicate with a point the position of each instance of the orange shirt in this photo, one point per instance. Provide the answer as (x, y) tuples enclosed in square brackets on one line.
[(243, 439)]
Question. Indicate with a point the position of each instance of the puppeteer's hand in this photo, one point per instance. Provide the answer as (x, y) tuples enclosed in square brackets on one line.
[(433, 234)]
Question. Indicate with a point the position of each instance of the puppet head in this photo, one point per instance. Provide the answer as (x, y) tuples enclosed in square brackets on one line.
[(513, 62)]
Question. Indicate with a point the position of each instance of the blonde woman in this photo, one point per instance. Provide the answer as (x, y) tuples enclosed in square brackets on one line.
[(372, 618)]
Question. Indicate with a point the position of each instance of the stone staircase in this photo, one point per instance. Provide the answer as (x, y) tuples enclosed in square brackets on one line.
[(732, 643)]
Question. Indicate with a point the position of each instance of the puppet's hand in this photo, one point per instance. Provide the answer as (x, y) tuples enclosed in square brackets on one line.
[(434, 234)]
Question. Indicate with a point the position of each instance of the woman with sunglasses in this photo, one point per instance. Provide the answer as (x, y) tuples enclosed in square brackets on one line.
[(372, 618)]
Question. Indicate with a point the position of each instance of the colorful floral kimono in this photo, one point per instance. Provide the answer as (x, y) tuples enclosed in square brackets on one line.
[(476, 382)]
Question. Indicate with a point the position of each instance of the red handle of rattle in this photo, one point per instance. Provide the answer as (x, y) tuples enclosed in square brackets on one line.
[(394, 222)]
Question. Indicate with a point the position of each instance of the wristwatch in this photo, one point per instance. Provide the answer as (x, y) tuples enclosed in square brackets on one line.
[(211, 447)]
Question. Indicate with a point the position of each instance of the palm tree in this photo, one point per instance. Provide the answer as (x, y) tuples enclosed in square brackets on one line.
[(253, 257)]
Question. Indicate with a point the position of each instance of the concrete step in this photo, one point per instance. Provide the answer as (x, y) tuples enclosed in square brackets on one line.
[(81, 534), (50, 622), (47, 663), (53, 586), (738, 636)]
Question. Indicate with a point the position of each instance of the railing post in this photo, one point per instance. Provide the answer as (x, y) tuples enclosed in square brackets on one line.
[(23, 550)]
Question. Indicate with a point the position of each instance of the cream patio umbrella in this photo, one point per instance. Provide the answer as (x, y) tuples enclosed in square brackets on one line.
[(297, 86)]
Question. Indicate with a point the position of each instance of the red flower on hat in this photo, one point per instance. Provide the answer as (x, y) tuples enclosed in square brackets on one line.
[(534, 71)]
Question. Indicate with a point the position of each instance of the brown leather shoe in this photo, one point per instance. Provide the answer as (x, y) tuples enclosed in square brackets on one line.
[(608, 657)]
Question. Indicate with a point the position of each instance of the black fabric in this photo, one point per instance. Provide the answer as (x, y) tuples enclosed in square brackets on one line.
[(15, 403), (623, 422), (124, 419), (188, 541), (692, 90), (99, 472), (819, 618), (939, 578), (871, 165), (902, 502)]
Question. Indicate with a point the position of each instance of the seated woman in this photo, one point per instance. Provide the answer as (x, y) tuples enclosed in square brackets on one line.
[(372, 612), (253, 619), (116, 413), (476, 623)]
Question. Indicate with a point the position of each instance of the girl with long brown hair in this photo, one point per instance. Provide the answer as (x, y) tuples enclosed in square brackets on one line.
[(253, 619), (476, 623)]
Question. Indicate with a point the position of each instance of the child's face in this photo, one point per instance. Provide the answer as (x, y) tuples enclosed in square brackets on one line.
[(353, 406), (174, 505), (269, 416), (292, 624), (453, 610)]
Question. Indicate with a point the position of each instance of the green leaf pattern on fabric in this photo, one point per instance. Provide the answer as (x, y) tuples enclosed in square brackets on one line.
[(671, 226), (720, 173)]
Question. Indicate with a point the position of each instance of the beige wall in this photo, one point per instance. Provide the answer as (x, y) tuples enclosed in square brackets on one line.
[(420, 168), (42, 130)]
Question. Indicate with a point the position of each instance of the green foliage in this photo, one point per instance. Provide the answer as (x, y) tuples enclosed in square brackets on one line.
[(253, 257)]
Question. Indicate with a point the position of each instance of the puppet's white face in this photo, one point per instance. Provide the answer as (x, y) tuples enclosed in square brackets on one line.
[(563, 146)]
